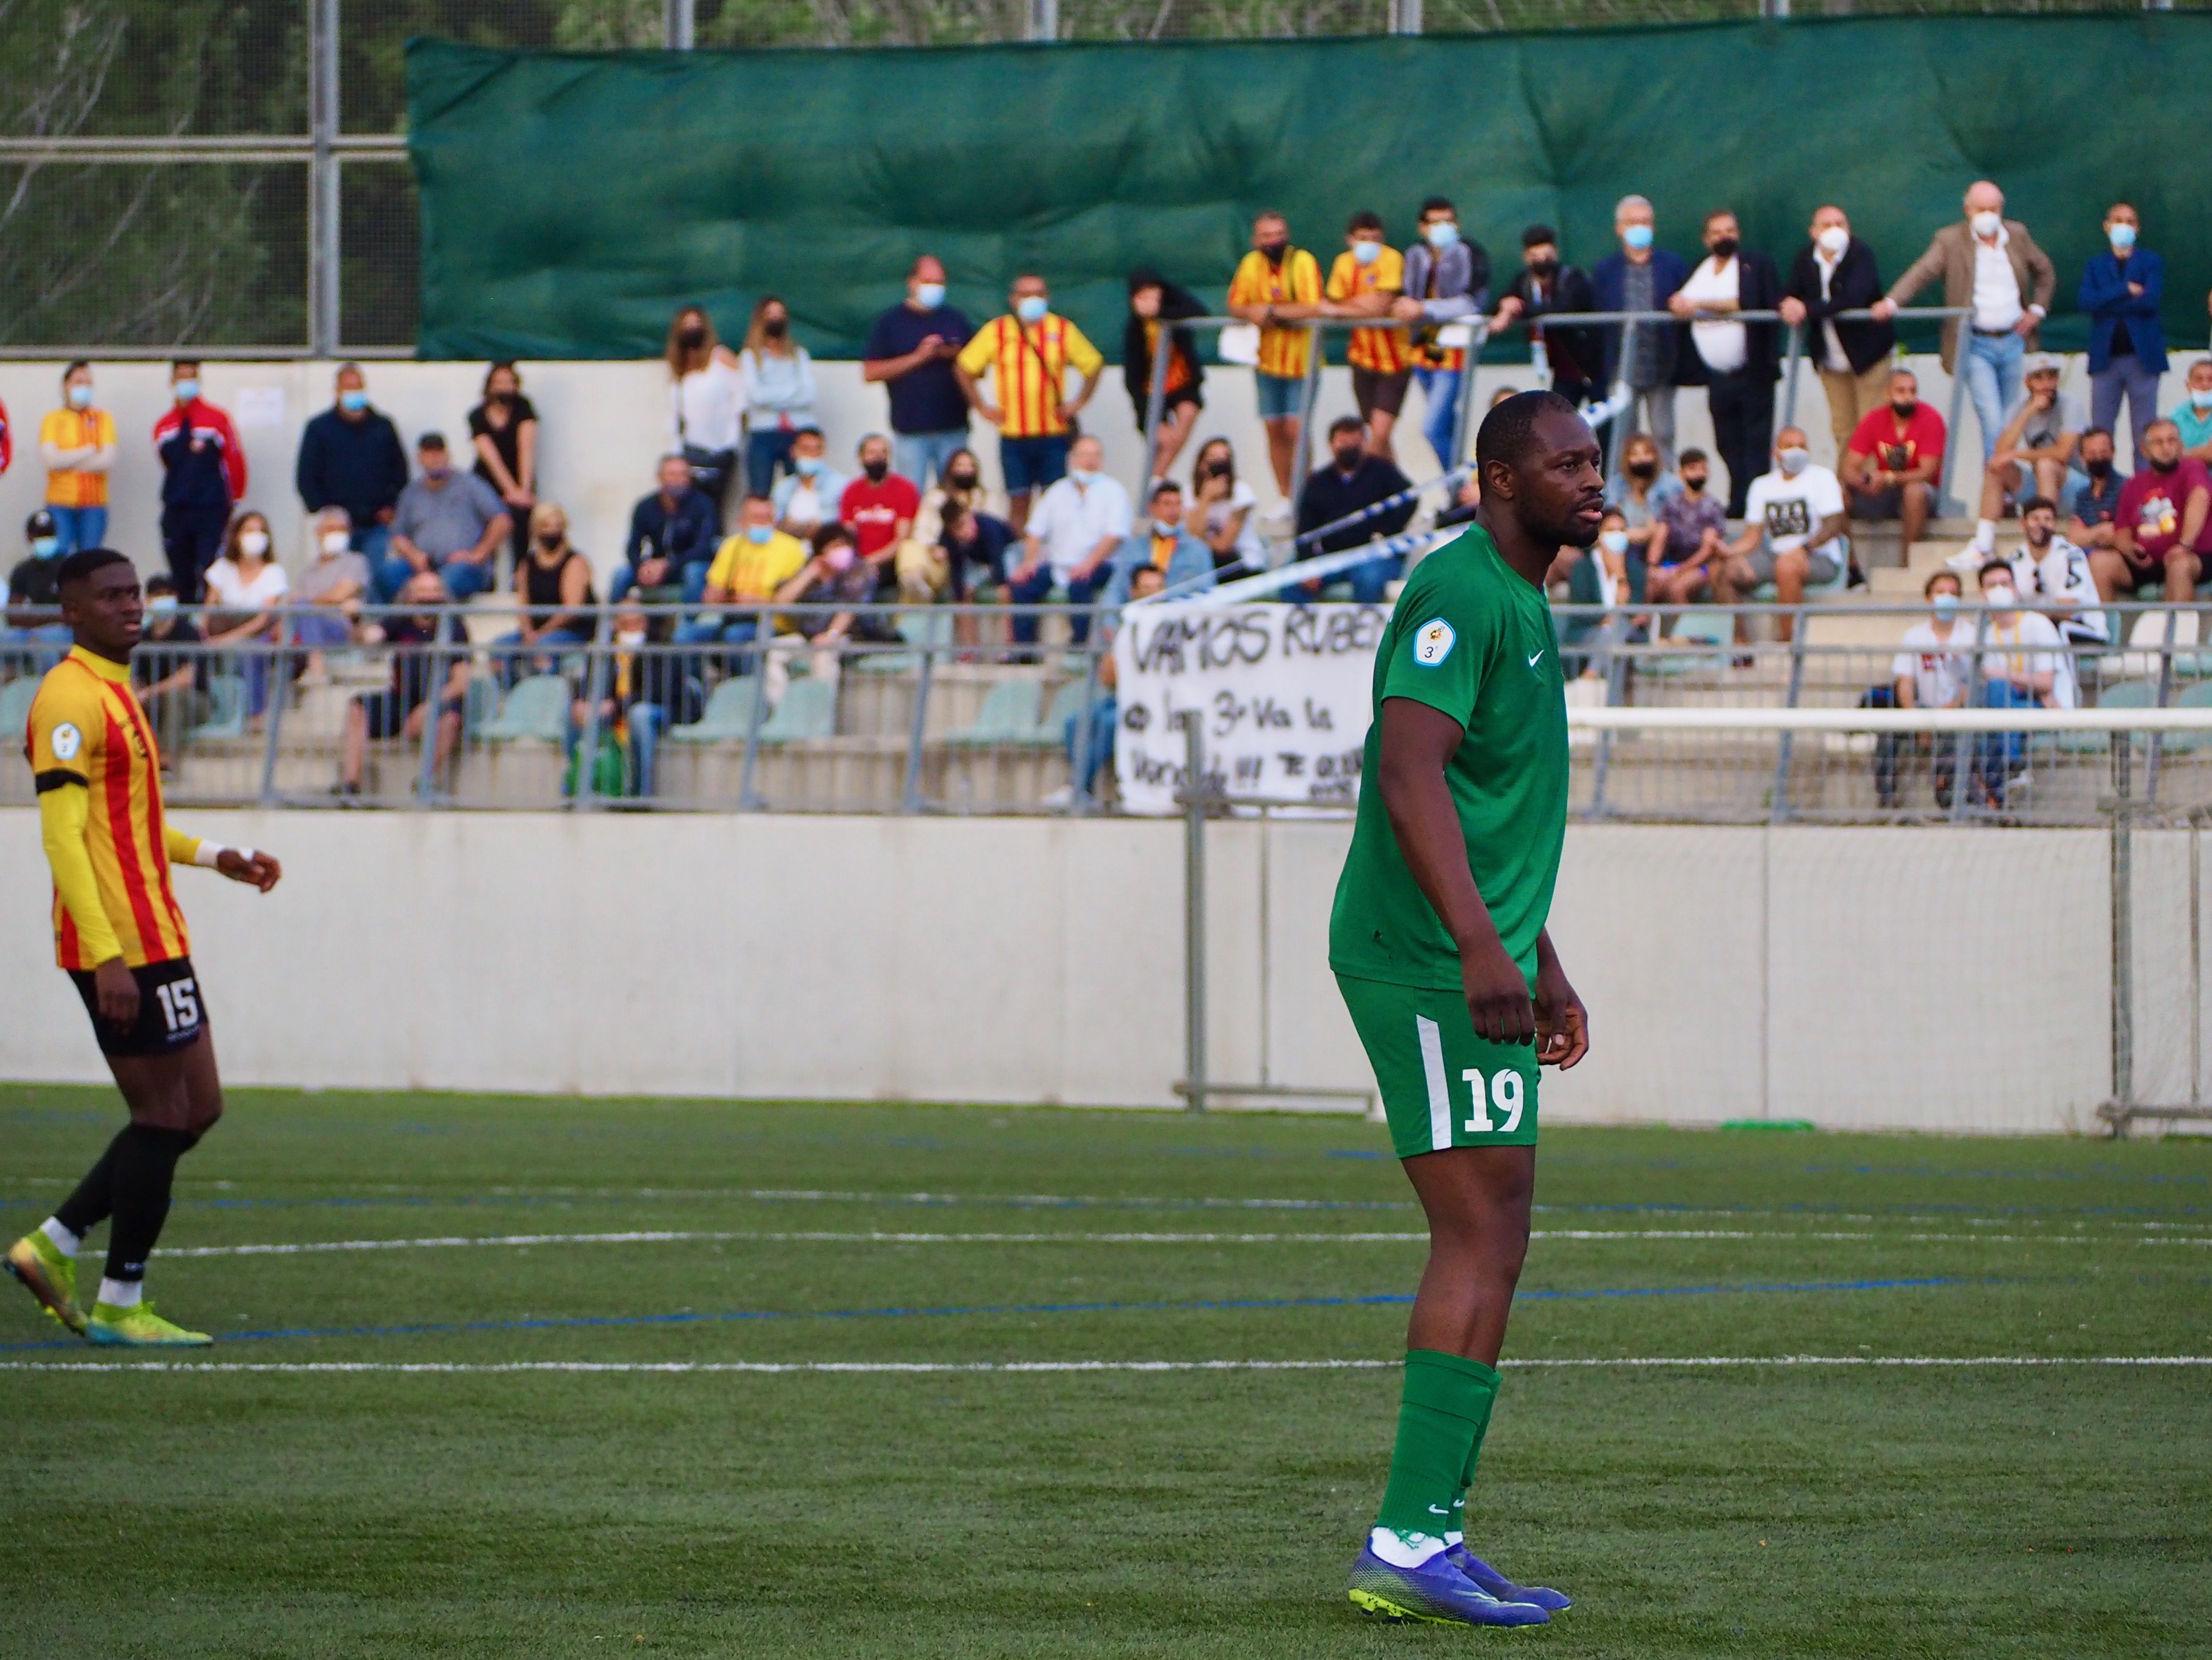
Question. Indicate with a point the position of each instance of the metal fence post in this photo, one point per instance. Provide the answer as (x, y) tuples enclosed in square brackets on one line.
[(916, 732), (2123, 967), (323, 209), (595, 689), (1616, 429), (1795, 361), (1947, 505), (749, 797), (1193, 909), (1463, 417), (1778, 810), (1042, 22), (678, 24), (1084, 763), (1405, 16), (1302, 458), (1155, 404), (280, 689)]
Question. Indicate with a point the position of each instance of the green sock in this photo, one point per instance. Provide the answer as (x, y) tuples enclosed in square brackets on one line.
[(1458, 1524), (1441, 1416)]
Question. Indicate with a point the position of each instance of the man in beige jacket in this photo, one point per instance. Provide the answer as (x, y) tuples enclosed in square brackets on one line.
[(1991, 267)]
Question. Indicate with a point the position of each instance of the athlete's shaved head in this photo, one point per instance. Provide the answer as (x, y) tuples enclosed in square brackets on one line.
[(1508, 433), (1542, 486)]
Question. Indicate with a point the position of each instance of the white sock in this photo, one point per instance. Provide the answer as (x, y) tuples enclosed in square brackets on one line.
[(64, 1241), (119, 1293), (1985, 534), (1454, 1537), (1404, 1550)]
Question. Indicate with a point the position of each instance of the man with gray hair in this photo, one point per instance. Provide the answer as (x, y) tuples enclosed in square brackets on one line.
[(1641, 278)]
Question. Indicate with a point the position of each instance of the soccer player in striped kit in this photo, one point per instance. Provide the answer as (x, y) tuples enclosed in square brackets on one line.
[(119, 934)]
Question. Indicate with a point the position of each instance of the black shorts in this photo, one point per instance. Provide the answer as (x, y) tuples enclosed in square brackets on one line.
[(1373, 390), (170, 1015)]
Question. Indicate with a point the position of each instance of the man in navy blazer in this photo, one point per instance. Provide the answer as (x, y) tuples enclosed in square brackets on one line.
[(1834, 272), (1642, 278), (2120, 291)]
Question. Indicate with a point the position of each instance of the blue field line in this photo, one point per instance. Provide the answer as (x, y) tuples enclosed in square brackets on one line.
[(1199, 1305)]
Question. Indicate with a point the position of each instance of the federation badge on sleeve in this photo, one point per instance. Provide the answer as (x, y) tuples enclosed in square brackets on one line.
[(1432, 642), (66, 741)]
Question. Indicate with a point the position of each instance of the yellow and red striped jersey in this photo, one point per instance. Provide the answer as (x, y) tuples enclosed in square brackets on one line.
[(1031, 363), (1385, 351), (1296, 281)]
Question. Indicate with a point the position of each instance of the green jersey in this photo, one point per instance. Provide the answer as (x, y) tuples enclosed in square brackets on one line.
[(1471, 637)]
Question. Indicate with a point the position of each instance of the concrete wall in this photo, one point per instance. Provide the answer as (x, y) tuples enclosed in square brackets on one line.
[(1928, 979)]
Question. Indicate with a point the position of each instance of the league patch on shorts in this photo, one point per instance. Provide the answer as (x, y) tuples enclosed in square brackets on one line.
[(1433, 642)]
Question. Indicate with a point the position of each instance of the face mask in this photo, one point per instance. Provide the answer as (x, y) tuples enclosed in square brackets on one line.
[(2099, 471), (1905, 411), (1274, 251), (759, 534), (1614, 541), (2003, 597), (691, 336), (960, 481), (549, 539), (875, 470), (630, 638), (80, 397), (1644, 470), (1543, 267), (2123, 237), (2038, 536), (1442, 234), (1032, 307), (808, 465), (1724, 248), (253, 544), (186, 391), (336, 542), (1347, 459), (2201, 396), (2157, 465), (1987, 224), (435, 470), (1365, 253), (840, 558), (1083, 476), (502, 399), (776, 327), (1693, 482), (353, 401), (1945, 605), (1833, 240), (929, 295), (45, 547), (161, 605), (1793, 461), (1638, 237)]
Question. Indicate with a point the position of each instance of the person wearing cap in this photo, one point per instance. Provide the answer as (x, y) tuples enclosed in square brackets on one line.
[(34, 594), (2034, 454), (1543, 283)]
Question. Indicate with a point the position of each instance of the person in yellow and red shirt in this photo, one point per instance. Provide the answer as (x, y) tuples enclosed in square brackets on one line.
[(77, 443), (1277, 286), (1367, 276), (121, 935), (1028, 352)]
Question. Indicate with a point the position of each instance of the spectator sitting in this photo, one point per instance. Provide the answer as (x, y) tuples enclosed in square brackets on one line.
[(429, 655), (77, 443), (707, 404), (2092, 503), (1366, 278), (1028, 353), (1278, 287), (910, 350), (350, 456), (1933, 667), (2025, 666), (1792, 532), (1643, 487), (1154, 302), (2192, 416), (2035, 453), (643, 687), (1833, 272), (1737, 362), (202, 478), (1103, 717), (752, 566), (1082, 520), (244, 585), (2121, 291), (974, 541), (780, 392), (1641, 278), (671, 539), (35, 594), (171, 685), (1990, 265), (1164, 545), (1354, 480), (837, 576), (1466, 502), (807, 497), (959, 484), (1226, 506), (2051, 570), (1894, 458), (332, 586), (879, 507), (1611, 573), (447, 522), (1691, 536), (553, 588), (503, 432), (2159, 528), (1447, 282), (1543, 284)]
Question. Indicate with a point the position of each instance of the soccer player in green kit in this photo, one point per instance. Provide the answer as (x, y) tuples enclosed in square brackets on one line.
[(1438, 944)]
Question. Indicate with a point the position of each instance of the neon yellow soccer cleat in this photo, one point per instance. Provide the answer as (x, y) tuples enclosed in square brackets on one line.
[(139, 1327), (48, 1276)]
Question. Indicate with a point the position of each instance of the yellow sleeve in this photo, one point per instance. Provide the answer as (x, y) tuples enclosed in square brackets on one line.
[(982, 346), (723, 573), (1080, 352), (63, 810), (1342, 277), (1390, 271), (104, 430), (182, 849), (1243, 286)]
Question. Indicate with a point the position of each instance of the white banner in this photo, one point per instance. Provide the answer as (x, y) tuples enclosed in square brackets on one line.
[(1285, 693)]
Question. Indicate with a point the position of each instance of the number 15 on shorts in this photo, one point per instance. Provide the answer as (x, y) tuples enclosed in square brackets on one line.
[(1503, 1093)]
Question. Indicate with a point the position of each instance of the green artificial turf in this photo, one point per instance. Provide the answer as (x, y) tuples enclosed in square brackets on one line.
[(1757, 1509)]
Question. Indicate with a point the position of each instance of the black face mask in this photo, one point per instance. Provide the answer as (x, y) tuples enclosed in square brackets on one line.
[(960, 481), (1693, 482), (1347, 459), (2159, 466), (1905, 411), (1543, 267), (1724, 247), (1644, 470), (2099, 471), (1219, 470), (875, 470), (1274, 251), (549, 540), (501, 399), (691, 336), (776, 327)]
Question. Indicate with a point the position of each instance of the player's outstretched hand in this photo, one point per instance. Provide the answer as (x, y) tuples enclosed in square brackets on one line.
[(1562, 1022), (260, 870), (1497, 996)]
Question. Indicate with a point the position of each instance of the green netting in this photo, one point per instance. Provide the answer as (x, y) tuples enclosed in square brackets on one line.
[(571, 201)]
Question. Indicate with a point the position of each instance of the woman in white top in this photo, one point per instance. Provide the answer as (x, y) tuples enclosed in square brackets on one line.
[(243, 586), (706, 401), (1225, 506), (779, 392)]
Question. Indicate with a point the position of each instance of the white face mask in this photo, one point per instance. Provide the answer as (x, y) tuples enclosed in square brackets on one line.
[(254, 544), (1793, 461), (2201, 398), (1987, 224), (1614, 541), (629, 637), (1833, 240), (336, 541), (2002, 597)]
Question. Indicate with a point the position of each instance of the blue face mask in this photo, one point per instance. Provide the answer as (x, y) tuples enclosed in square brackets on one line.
[(1083, 476), (353, 401), (80, 397), (758, 534), (1366, 253), (1945, 605), (2123, 237), (1614, 541), (808, 465), (186, 391), (1637, 236), (929, 295), (161, 605), (1442, 234), (1032, 307), (45, 547)]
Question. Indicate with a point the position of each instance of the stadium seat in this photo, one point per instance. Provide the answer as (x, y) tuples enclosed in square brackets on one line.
[(1066, 703), (2121, 695), (2195, 697), (226, 718), (728, 714), (15, 707), (537, 707), (1009, 715), (808, 712), (1707, 625)]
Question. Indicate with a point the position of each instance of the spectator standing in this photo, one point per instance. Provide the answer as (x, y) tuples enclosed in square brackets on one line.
[(1894, 458), (1225, 508), (553, 589), (2192, 416), (780, 392), (1354, 480), (706, 404), (1834, 272), (332, 586), (447, 522), (77, 443), (1793, 531), (2024, 666), (2159, 535), (879, 507), (807, 497), (203, 478), (2093, 504), (1278, 287), (350, 456), (1077, 524), (171, 683), (1156, 303), (503, 432), (1367, 276), (245, 585), (1990, 265), (1640, 277), (2035, 453), (1028, 353), (1738, 362), (34, 593), (911, 349), (428, 659), (1932, 670), (2122, 291), (671, 539), (1691, 535), (2052, 572), (1163, 544), (1447, 283), (1575, 355)]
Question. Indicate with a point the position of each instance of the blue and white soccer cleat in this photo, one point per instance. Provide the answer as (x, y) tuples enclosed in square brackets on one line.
[(1488, 1578), (1435, 1591)]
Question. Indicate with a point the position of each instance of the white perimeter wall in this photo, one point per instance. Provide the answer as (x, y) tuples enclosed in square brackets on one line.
[(1925, 979)]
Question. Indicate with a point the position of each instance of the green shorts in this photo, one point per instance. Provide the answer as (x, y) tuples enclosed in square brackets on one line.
[(1441, 1085)]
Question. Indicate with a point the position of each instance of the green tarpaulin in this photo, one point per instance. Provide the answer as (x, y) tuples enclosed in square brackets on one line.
[(570, 201)]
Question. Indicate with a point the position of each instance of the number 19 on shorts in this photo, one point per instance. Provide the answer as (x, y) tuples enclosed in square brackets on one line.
[(1502, 1092)]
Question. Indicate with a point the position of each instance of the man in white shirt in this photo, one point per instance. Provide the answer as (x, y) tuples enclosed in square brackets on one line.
[(807, 497), (2023, 665), (2035, 449), (1070, 539), (1739, 363), (2056, 574), (1932, 670), (1792, 530)]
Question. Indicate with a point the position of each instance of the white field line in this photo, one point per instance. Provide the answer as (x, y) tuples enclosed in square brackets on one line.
[(661, 1236), (1643, 1363)]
